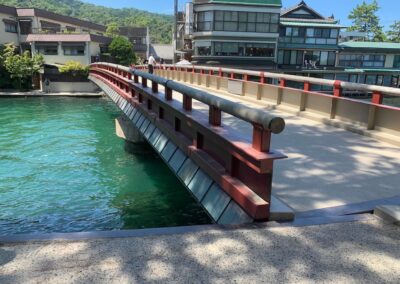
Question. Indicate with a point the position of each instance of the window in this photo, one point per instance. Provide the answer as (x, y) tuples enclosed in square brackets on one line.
[(47, 49), (10, 26), (396, 62), (204, 21), (318, 36), (334, 33), (244, 49), (233, 21), (290, 57), (70, 29), (74, 49), (25, 27), (50, 27), (360, 60), (203, 48)]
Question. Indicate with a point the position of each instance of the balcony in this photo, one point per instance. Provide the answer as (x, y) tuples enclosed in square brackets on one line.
[(55, 30)]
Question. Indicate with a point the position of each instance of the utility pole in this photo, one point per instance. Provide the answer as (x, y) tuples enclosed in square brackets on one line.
[(175, 40)]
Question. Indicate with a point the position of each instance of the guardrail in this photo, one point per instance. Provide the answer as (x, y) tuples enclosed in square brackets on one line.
[(241, 168), (239, 74), (360, 116)]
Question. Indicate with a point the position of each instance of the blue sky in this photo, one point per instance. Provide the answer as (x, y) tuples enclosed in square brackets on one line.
[(340, 8)]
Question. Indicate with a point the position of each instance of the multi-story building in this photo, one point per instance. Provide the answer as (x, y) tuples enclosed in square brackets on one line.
[(298, 40), (139, 37), (307, 39), (61, 38), (232, 32)]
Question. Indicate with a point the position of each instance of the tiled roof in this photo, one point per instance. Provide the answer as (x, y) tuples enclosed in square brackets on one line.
[(370, 45), (31, 12), (311, 24), (326, 21), (165, 51), (58, 38), (8, 10)]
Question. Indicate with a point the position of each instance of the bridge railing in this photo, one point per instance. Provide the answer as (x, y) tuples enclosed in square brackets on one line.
[(356, 115), (242, 166), (339, 87)]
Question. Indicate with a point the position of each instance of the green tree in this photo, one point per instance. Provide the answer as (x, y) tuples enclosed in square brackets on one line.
[(394, 32), (75, 68), (365, 19), (122, 51), (21, 68), (112, 30)]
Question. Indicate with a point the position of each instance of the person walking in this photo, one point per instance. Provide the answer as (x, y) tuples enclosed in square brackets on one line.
[(152, 62)]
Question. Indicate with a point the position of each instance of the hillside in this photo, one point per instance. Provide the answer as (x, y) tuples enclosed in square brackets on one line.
[(160, 25)]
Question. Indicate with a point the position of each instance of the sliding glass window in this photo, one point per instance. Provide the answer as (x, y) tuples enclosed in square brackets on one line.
[(233, 21)]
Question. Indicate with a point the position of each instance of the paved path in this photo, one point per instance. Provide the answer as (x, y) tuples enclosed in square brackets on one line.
[(361, 252), (327, 166)]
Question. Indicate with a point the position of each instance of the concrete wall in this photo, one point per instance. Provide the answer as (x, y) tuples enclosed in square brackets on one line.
[(6, 37), (71, 87)]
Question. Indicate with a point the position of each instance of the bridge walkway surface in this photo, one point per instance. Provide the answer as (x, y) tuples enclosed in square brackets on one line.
[(327, 166)]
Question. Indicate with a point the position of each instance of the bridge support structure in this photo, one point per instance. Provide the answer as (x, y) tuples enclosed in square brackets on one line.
[(230, 176)]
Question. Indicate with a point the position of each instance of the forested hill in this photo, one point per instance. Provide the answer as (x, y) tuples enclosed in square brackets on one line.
[(160, 25)]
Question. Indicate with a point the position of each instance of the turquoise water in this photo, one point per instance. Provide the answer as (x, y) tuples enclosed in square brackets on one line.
[(62, 169)]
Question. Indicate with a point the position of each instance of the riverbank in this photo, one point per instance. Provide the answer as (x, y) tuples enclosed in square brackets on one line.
[(356, 252), (9, 94)]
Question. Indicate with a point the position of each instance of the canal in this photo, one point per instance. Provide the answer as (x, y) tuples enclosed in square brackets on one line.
[(62, 169)]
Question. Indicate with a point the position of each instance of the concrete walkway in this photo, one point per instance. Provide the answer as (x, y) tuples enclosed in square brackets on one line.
[(327, 166), (360, 252)]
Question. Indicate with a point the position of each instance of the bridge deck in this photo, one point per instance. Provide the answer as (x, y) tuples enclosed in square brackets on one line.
[(326, 166)]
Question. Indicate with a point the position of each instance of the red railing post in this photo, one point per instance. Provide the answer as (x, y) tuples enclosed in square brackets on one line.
[(136, 77), (245, 77), (232, 75), (262, 78), (261, 138), (337, 88), (168, 94), (210, 72), (377, 98), (282, 82), (214, 116), (154, 87), (220, 72), (144, 82), (187, 102), (307, 86)]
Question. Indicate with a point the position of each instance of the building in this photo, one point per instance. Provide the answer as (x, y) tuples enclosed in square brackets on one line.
[(298, 40), (61, 38), (319, 41), (140, 39), (232, 32), (307, 39)]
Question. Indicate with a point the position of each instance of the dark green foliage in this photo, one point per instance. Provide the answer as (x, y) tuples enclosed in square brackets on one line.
[(122, 51), (160, 25), (394, 32), (365, 19)]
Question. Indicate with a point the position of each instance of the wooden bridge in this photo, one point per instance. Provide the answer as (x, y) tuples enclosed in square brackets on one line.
[(222, 132)]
